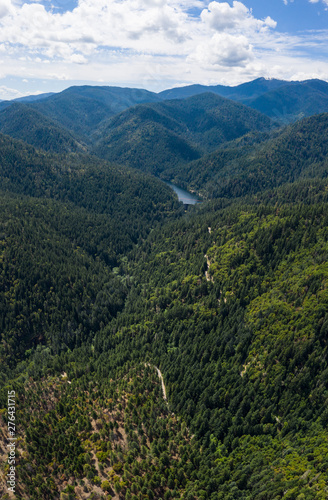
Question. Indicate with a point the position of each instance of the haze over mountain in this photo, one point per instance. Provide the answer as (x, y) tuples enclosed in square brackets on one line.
[(281, 100), (26, 99), (242, 92)]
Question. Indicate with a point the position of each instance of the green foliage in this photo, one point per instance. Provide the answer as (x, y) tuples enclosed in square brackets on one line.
[(83, 108), (107, 293), (155, 137), (257, 163), (293, 100), (105, 485), (54, 291), (22, 122)]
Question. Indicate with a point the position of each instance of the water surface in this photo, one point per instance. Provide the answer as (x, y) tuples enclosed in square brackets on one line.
[(184, 196)]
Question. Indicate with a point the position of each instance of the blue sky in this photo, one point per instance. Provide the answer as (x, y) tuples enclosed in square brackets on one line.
[(48, 45), (292, 17)]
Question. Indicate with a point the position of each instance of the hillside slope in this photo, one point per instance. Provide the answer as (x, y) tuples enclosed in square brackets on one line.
[(293, 101), (153, 137), (67, 220), (256, 163), (243, 354), (82, 109), (22, 122)]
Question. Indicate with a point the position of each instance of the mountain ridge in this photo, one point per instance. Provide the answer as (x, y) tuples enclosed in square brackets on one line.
[(20, 121), (190, 127)]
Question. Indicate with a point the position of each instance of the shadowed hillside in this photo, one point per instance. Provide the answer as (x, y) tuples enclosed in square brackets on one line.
[(154, 137), (22, 122)]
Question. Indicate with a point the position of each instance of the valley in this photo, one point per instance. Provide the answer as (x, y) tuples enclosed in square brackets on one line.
[(159, 350)]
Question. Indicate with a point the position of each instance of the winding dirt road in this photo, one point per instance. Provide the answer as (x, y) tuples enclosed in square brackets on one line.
[(159, 373)]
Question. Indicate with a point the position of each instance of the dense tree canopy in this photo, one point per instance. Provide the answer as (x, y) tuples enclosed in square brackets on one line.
[(109, 288)]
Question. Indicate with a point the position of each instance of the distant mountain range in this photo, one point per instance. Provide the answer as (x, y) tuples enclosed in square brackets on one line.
[(281, 100), (243, 92), (197, 136), (293, 101), (82, 110)]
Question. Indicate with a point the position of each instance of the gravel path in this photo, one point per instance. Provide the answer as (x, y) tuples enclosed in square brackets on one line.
[(161, 379)]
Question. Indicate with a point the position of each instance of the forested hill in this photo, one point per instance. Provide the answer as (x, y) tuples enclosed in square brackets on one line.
[(153, 137), (243, 354), (284, 101), (82, 109), (88, 182), (258, 162), (22, 122)]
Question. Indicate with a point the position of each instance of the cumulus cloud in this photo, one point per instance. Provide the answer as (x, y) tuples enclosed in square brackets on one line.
[(148, 42), (154, 25), (234, 28), (78, 59), (149, 26), (224, 50), (221, 17), (5, 8)]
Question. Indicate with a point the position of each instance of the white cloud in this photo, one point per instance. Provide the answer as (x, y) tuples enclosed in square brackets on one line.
[(133, 24), (146, 42), (5, 8), (221, 17), (151, 26), (224, 50), (317, 1), (8, 93), (78, 59)]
